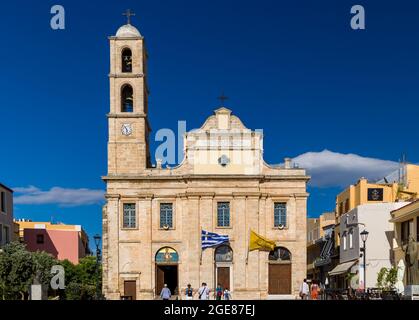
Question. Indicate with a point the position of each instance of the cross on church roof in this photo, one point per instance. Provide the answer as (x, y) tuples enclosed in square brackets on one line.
[(222, 98), (128, 13)]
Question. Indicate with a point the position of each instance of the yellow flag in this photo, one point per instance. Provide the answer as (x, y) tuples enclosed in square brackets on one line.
[(258, 242)]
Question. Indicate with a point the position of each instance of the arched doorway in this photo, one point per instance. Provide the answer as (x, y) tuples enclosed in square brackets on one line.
[(279, 271), (223, 257), (167, 260)]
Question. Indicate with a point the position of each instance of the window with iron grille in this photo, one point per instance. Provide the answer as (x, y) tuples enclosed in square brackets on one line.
[(166, 215), (223, 214), (280, 214), (129, 215)]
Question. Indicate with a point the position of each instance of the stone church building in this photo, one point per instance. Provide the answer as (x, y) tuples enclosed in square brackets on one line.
[(153, 216)]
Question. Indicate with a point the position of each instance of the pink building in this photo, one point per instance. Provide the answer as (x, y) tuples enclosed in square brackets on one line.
[(60, 240)]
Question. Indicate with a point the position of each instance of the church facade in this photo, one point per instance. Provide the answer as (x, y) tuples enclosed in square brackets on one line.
[(154, 215)]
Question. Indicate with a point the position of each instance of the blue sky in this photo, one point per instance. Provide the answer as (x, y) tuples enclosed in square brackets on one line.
[(292, 68)]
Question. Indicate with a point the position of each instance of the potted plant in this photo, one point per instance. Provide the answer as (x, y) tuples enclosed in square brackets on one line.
[(386, 281)]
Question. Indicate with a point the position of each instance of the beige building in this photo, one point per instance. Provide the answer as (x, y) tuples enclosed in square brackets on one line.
[(154, 215), (405, 248)]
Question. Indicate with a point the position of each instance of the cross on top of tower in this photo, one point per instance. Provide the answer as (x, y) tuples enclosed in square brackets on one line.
[(222, 99), (128, 13)]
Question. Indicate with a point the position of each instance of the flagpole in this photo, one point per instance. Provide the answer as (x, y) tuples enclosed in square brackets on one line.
[(200, 241), (248, 247)]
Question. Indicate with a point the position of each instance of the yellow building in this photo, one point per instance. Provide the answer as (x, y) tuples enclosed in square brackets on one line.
[(406, 237), (29, 224), (402, 184)]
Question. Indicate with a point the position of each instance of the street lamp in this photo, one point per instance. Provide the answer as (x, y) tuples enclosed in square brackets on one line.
[(364, 237), (97, 239)]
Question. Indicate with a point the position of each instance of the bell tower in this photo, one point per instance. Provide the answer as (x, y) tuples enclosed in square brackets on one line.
[(128, 147)]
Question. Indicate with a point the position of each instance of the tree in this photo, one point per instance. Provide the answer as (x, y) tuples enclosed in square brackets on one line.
[(43, 263), (81, 279), (19, 268), (16, 271)]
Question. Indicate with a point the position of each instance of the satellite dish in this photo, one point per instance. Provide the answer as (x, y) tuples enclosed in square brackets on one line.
[(281, 226)]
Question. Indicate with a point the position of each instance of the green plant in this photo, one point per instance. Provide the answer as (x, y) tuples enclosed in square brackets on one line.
[(387, 278)]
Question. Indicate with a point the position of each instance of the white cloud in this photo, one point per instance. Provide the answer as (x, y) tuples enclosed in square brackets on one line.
[(332, 169), (57, 195)]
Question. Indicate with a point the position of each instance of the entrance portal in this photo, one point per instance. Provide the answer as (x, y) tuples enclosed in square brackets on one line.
[(167, 274), (167, 270), (279, 271), (223, 277)]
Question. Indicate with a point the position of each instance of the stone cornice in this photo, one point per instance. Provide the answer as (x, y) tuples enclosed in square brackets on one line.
[(112, 196), (125, 38), (126, 115), (126, 75), (145, 196), (262, 178)]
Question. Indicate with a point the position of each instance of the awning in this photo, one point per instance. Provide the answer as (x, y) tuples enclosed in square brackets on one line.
[(342, 268)]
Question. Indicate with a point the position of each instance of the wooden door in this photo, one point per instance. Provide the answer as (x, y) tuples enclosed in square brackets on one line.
[(279, 279), (159, 280), (223, 277), (130, 289)]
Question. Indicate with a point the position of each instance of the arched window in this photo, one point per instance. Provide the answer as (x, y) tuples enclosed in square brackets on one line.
[(126, 62), (280, 254), (127, 101), (223, 253)]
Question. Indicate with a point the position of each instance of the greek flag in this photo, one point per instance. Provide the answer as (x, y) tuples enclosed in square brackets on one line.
[(210, 239)]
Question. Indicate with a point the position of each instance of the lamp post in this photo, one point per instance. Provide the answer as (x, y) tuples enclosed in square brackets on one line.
[(364, 237), (97, 239)]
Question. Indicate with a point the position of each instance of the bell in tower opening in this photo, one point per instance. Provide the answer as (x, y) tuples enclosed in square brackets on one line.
[(126, 60), (126, 99)]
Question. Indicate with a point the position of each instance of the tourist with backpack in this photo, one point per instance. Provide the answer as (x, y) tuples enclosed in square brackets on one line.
[(218, 292), (189, 292)]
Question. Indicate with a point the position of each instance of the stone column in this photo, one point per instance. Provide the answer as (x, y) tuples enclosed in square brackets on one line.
[(146, 264)]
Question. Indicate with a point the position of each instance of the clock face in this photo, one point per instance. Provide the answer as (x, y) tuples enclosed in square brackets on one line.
[(126, 129)]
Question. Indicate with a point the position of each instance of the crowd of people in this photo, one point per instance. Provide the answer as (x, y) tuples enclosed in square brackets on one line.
[(203, 293), (307, 291)]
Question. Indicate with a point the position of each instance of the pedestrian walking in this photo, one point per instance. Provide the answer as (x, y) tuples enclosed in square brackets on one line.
[(204, 292), (227, 294), (314, 290), (165, 293), (219, 292), (189, 292), (304, 290)]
